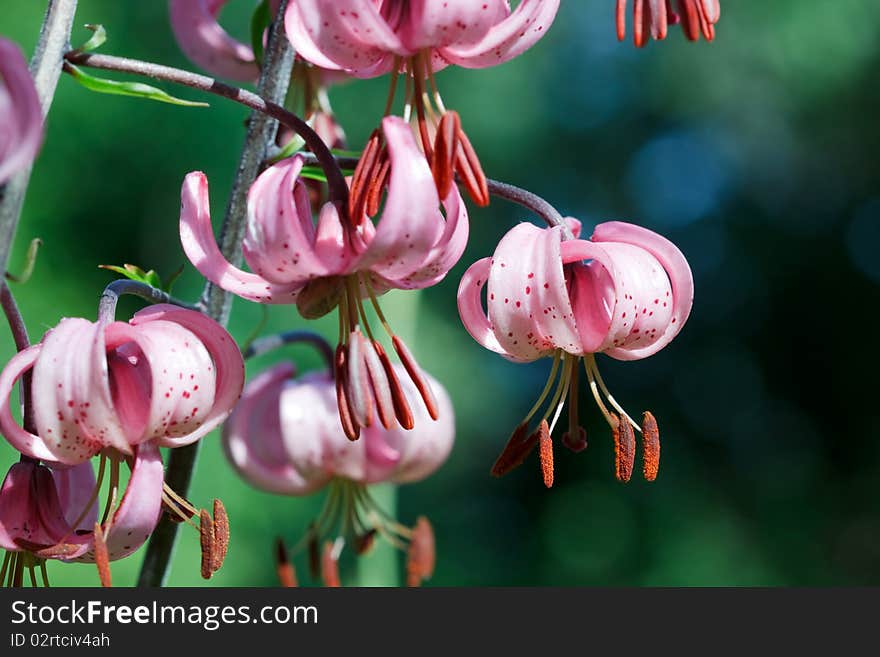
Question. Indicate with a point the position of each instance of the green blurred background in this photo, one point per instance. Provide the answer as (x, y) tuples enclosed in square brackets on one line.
[(756, 154)]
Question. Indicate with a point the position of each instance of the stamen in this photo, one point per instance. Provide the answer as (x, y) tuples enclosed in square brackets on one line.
[(7, 559), (560, 394), (401, 406), (611, 400), (377, 184), (471, 171), (422, 553), (610, 418), (102, 463), (518, 447), (330, 566), (418, 81), (438, 101), (206, 542), (221, 534), (379, 384), (392, 89), (32, 575), (415, 374), (346, 415), (624, 449), (102, 557), (557, 358), (285, 570), (365, 542), (363, 174), (546, 452), (445, 151), (42, 572), (650, 446), (110, 508), (357, 383)]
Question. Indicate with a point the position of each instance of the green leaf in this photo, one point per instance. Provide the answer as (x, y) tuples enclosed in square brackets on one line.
[(29, 263), (261, 19), (134, 89), (290, 148), (151, 278), (99, 36)]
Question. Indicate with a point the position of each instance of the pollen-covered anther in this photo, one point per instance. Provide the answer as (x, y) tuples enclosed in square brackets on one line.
[(330, 565), (357, 383), (364, 174), (221, 534), (469, 169), (545, 451), (624, 448), (518, 447), (284, 569), (422, 553), (102, 557), (650, 446), (314, 553), (206, 542)]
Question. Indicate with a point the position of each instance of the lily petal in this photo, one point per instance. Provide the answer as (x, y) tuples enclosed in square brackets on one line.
[(23, 441), (252, 438), (674, 263), (228, 364), (139, 510), (21, 116), (507, 39), (30, 512), (440, 23), (343, 34), (411, 222), (470, 307), (75, 486), (197, 238), (201, 38)]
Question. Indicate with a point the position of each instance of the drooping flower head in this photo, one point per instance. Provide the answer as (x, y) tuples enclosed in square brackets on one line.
[(336, 263), (286, 437), (367, 38), (52, 513), (168, 376), (21, 117), (626, 292), (651, 19), (119, 391)]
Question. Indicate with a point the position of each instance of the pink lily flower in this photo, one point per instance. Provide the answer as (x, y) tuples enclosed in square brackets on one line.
[(367, 38), (651, 19), (53, 513), (286, 437), (21, 117), (205, 42), (628, 301), (169, 376), (335, 263)]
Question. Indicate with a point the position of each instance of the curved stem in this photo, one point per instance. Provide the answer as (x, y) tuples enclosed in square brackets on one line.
[(265, 344), (46, 69), (22, 342), (518, 195), (335, 179), (111, 294)]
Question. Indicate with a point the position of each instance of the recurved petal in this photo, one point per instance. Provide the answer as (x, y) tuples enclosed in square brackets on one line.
[(507, 39), (30, 513), (21, 117), (446, 251), (139, 510), (411, 222), (75, 486), (197, 238), (528, 302), (23, 441), (227, 364), (280, 238), (253, 442), (470, 307), (73, 404), (441, 23), (201, 38), (675, 265), (342, 34)]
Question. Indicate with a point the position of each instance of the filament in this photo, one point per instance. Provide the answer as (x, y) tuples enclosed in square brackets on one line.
[(607, 394)]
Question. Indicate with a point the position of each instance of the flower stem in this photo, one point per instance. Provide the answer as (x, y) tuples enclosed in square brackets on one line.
[(274, 79), (111, 294), (46, 69), (267, 343)]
